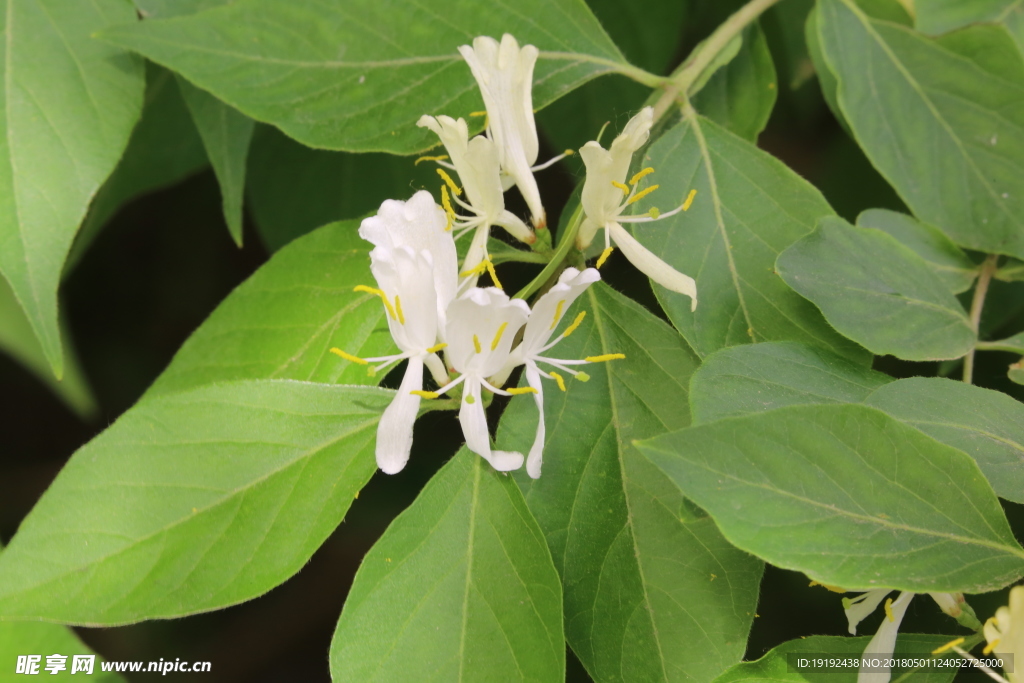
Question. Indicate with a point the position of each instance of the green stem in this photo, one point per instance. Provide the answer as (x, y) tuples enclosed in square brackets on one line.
[(564, 245), (977, 304), (690, 71), (518, 256), (997, 346), (636, 73)]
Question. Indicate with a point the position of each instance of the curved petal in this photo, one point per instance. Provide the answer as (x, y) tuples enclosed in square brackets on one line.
[(536, 457), (394, 433), (652, 266), (858, 608), (884, 642)]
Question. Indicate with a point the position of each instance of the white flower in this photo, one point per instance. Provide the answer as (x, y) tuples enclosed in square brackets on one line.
[(544, 319), (505, 75), (481, 326), (476, 162), (883, 643), (1005, 633), (414, 265), (606, 195)]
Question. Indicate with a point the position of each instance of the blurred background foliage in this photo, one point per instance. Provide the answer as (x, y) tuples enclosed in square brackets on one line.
[(153, 259)]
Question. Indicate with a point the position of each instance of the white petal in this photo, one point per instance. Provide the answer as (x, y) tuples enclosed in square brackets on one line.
[(652, 266), (536, 457), (884, 642), (600, 199), (394, 432), (549, 309), (506, 461), (515, 227), (949, 603), (863, 605), (489, 316), (478, 438)]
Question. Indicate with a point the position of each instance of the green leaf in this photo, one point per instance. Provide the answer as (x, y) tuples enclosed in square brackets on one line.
[(1011, 271), (945, 130), (755, 378), (940, 16), (460, 587), (163, 149), (826, 78), (946, 259), (18, 341), (642, 570), (740, 96), (877, 292), (163, 9), (27, 637), (69, 104), (226, 135), (987, 425), (192, 502), (774, 666), (847, 495), (292, 189), (1016, 373), (282, 321), (396, 62), (748, 208)]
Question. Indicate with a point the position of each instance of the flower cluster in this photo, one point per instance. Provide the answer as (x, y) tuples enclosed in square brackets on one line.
[(439, 318)]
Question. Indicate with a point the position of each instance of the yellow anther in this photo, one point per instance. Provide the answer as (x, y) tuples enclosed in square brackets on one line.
[(641, 194), (475, 270), (582, 376), (834, 589), (398, 310), (990, 647), (604, 256), (478, 113), (445, 202), (653, 212), (569, 152), (497, 337), (440, 157), (689, 200), (558, 380), (636, 179), (438, 347), (476, 343), (490, 271), (558, 314), (524, 390), (424, 394), (575, 323), (622, 186), (381, 294), (605, 357), (888, 611), (349, 356), (948, 646), (450, 216), (448, 181)]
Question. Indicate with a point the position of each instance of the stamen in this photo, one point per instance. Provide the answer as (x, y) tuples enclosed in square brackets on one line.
[(438, 347), (349, 356), (524, 390), (497, 337), (440, 157), (475, 270), (604, 256), (622, 186), (478, 113), (990, 647), (575, 323), (398, 310), (888, 611), (605, 357), (449, 182), (381, 294), (558, 380), (445, 202), (948, 646), (641, 194), (558, 314), (582, 376), (689, 200), (552, 161), (642, 174), (450, 216), (476, 343), (490, 271), (424, 394)]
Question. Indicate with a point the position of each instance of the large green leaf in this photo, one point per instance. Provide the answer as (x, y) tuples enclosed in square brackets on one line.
[(948, 261), (191, 502), (460, 587), (33, 638), (69, 104), (226, 135), (945, 127), (282, 321), (776, 665), (652, 590), (847, 495), (987, 425), (748, 208), (754, 378), (940, 16), (365, 71), (877, 292)]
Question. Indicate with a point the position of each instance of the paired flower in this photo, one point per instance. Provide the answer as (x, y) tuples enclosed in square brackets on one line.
[(1004, 634), (606, 196)]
